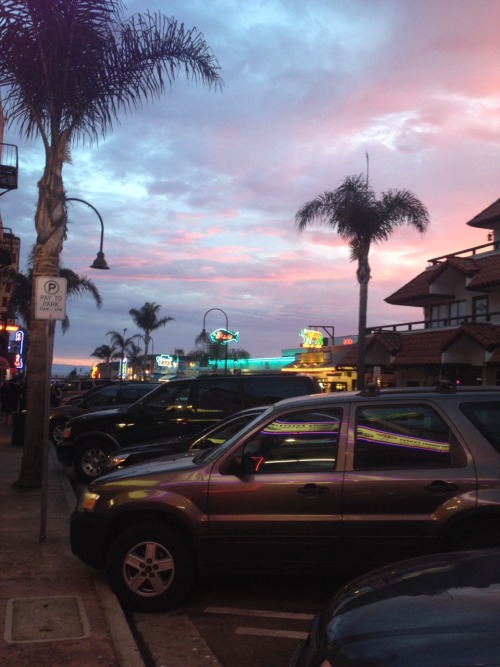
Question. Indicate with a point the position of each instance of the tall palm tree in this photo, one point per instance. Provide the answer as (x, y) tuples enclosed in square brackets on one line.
[(146, 319), (359, 218), (121, 345), (69, 68)]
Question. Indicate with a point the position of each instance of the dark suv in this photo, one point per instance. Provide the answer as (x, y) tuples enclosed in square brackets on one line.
[(316, 481), (178, 407), (99, 398)]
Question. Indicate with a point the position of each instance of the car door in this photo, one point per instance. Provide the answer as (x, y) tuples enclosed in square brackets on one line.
[(161, 413), (406, 475), (278, 499)]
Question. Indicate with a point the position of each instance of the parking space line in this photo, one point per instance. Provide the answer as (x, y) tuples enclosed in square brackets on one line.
[(258, 613), (264, 632)]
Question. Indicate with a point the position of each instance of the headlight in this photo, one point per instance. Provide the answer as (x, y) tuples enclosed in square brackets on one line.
[(116, 461), (87, 501)]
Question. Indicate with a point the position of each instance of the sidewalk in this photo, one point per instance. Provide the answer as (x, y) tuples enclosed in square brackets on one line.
[(54, 611)]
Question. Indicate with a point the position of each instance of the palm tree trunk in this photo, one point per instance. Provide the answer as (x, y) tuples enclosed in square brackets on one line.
[(50, 223), (363, 276)]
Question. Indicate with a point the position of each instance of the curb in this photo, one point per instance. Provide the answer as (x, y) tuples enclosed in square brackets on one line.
[(124, 643)]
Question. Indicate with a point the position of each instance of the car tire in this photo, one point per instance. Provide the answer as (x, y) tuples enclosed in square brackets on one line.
[(56, 431), (90, 459), (150, 568)]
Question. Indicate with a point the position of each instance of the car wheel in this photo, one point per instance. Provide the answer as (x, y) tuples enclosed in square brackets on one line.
[(56, 431), (150, 568), (90, 459)]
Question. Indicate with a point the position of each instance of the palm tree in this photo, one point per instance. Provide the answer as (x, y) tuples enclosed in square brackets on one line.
[(69, 69), (121, 346), (361, 219), (136, 358), (104, 353), (146, 319)]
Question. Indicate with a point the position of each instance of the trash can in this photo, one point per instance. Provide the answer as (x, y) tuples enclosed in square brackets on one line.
[(18, 426)]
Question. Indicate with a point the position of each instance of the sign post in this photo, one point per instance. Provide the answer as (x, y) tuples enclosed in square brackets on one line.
[(50, 305)]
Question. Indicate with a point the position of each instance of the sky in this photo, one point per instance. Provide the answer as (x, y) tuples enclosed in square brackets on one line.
[(198, 191)]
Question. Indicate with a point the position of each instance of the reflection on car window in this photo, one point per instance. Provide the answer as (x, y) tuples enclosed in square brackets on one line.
[(168, 398), (303, 441), (403, 436)]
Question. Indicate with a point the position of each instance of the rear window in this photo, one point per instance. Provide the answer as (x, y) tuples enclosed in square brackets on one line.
[(485, 416)]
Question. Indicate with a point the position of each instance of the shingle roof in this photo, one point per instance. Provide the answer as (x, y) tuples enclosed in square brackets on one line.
[(483, 271), (425, 348), (487, 218), (488, 272)]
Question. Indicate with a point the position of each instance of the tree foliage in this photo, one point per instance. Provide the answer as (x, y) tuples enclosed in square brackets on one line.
[(360, 219), (69, 69)]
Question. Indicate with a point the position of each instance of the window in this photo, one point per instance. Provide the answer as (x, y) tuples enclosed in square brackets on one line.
[(217, 396), (303, 441), (480, 308), (439, 316), (486, 418), (403, 436), (457, 312)]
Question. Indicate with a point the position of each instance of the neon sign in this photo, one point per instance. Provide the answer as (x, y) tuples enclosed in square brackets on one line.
[(19, 345), (164, 361), (311, 338), (224, 336)]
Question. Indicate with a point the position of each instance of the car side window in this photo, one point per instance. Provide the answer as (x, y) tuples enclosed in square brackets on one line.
[(485, 416), (264, 391), (105, 396), (302, 441), (218, 397), (169, 398), (403, 436)]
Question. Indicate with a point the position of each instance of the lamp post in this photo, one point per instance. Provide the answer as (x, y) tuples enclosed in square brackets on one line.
[(204, 332), (99, 262)]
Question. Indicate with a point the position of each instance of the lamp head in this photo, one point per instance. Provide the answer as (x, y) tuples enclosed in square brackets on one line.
[(99, 262)]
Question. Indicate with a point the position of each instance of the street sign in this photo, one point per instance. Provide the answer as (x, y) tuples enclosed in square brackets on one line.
[(50, 298)]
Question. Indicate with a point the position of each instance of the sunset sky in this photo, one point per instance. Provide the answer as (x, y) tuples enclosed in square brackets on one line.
[(198, 192)]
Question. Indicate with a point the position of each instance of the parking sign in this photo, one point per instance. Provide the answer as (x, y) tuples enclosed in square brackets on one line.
[(50, 298)]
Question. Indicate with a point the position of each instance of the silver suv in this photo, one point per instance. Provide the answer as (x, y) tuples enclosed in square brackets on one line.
[(316, 481)]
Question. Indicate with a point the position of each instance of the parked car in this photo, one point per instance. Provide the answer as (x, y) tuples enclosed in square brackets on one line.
[(178, 407), (314, 482), (209, 437), (95, 399), (435, 611), (79, 387)]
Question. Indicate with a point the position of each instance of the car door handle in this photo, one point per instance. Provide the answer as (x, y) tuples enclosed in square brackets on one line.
[(441, 487), (312, 490)]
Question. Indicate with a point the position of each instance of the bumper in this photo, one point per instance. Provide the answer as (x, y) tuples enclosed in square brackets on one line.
[(88, 537)]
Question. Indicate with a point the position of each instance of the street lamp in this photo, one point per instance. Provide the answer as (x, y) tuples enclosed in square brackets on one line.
[(99, 262), (204, 332)]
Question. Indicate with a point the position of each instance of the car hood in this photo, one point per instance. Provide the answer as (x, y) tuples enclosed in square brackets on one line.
[(433, 611), (155, 467)]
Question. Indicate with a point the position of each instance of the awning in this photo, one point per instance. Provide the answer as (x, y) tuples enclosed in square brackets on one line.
[(4, 364)]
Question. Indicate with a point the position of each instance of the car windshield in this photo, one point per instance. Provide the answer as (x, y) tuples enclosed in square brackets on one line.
[(208, 455)]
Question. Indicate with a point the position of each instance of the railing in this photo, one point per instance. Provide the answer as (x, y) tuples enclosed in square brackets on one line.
[(445, 322), (493, 245)]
